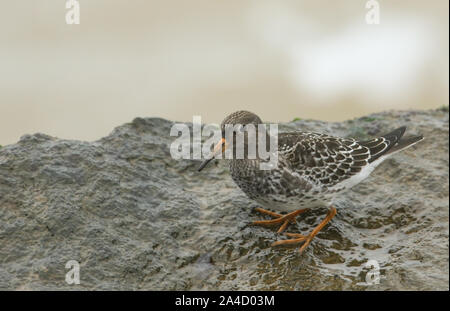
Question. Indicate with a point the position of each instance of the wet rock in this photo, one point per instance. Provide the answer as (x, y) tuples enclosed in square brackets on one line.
[(134, 218)]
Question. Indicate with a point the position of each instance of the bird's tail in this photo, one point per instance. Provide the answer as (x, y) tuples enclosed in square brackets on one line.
[(389, 143), (405, 142)]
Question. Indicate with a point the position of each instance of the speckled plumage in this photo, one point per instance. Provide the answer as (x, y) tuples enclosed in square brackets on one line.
[(312, 167), (310, 170)]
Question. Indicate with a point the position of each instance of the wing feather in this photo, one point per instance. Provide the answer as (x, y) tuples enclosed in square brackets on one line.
[(323, 160)]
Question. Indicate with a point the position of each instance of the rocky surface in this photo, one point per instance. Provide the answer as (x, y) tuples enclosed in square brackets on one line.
[(136, 219)]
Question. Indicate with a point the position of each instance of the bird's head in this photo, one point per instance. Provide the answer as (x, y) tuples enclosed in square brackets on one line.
[(236, 122)]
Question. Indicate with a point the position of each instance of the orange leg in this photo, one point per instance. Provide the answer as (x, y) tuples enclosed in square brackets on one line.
[(284, 220), (299, 238)]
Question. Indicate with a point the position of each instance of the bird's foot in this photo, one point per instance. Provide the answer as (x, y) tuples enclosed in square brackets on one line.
[(298, 238), (306, 239), (284, 220)]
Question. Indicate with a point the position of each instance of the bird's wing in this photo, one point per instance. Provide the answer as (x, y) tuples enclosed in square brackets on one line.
[(384, 144), (322, 159)]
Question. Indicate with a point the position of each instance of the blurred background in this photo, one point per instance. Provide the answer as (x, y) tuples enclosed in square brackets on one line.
[(175, 59)]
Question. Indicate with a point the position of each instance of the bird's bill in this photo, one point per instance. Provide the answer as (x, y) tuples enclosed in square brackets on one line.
[(220, 147)]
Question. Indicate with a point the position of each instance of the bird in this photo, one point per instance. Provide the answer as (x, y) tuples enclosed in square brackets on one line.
[(312, 168)]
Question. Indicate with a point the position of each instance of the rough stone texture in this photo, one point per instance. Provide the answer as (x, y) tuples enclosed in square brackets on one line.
[(136, 219)]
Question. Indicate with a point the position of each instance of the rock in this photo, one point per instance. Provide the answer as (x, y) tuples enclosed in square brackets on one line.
[(135, 219)]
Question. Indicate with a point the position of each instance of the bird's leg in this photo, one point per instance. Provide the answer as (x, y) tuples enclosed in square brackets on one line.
[(299, 238), (284, 220)]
